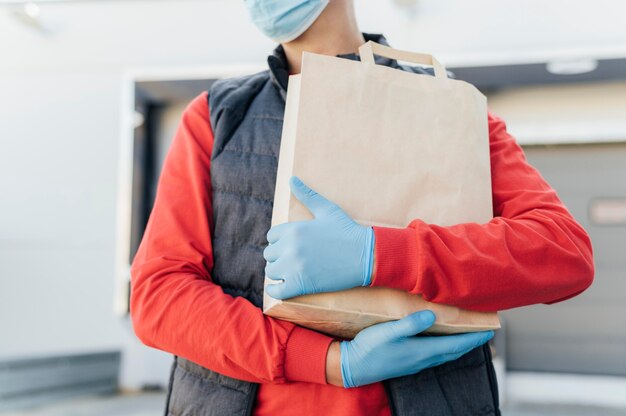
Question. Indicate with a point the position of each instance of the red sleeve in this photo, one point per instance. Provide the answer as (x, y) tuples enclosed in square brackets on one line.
[(174, 305), (532, 251)]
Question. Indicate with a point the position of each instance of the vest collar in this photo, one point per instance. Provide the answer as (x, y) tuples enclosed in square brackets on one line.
[(278, 67)]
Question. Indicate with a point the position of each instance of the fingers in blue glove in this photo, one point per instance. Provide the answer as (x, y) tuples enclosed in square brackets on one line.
[(316, 203), (288, 289), (329, 253), (443, 348), (390, 350), (410, 325), (456, 346), (272, 252), (291, 285), (277, 231)]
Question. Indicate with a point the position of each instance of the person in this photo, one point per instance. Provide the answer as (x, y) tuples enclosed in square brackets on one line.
[(197, 278)]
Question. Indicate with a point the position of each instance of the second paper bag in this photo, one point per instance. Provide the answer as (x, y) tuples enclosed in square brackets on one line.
[(388, 146)]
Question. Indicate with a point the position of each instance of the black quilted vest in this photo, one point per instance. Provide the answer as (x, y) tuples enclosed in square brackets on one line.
[(247, 117)]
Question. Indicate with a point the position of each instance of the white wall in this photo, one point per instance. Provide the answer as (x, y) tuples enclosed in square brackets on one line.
[(564, 113), (60, 98), (469, 32)]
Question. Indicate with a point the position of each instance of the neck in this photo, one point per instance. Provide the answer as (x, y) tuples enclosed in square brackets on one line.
[(334, 32)]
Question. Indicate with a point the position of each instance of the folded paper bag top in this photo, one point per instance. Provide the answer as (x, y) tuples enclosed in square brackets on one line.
[(387, 146)]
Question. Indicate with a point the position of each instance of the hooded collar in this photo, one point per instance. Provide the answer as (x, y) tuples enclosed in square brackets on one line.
[(279, 69)]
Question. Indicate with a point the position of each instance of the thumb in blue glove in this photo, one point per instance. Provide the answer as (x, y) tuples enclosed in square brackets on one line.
[(329, 253), (390, 349)]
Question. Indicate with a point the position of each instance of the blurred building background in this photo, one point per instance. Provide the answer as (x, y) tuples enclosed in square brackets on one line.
[(91, 93)]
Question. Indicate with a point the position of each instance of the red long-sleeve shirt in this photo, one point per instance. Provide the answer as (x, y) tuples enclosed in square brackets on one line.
[(533, 251)]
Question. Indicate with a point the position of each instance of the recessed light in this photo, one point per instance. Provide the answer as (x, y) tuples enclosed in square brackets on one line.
[(572, 66), (32, 10)]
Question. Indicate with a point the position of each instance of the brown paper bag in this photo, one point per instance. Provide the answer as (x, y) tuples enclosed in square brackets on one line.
[(387, 146)]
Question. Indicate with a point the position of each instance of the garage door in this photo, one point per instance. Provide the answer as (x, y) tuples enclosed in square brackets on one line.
[(586, 334)]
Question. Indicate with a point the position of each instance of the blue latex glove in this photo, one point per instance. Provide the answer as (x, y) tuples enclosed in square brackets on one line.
[(391, 350), (329, 253)]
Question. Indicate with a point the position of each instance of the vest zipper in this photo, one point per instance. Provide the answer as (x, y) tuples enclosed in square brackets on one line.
[(252, 398), (493, 383), (392, 405)]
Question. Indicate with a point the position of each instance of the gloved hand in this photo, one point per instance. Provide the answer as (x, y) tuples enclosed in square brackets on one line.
[(329, 253), (390, 349)]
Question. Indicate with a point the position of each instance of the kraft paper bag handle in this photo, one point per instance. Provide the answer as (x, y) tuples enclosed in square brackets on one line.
[(368, 49)]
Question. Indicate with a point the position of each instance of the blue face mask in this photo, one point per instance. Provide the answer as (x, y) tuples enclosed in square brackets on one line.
[(284, 20)]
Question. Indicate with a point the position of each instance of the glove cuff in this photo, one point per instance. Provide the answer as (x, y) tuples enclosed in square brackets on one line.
[(345, 370), (369, 256)]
